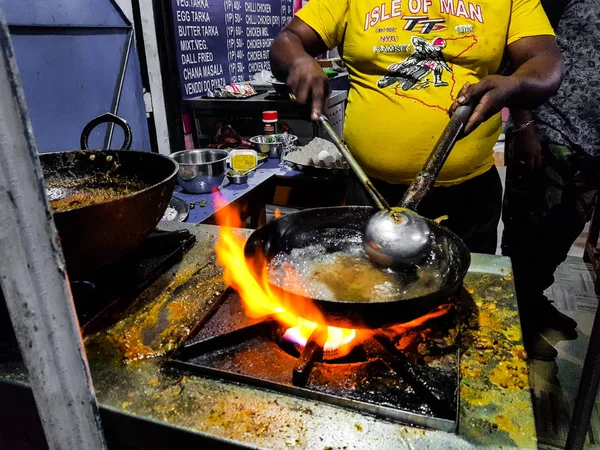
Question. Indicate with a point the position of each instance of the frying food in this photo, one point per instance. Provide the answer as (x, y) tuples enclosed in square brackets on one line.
[(67, 197), (351, 278), (312, 272)]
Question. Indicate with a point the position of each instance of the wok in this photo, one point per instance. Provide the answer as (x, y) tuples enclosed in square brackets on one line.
[(340, 229), (111, 200)]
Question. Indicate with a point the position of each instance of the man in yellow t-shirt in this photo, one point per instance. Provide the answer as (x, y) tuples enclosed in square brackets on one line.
[(411, 63)]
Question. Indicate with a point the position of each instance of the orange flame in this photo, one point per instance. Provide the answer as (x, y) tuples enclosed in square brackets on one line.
[(402, 328), (277, 213), (258, 299), (336, 337)]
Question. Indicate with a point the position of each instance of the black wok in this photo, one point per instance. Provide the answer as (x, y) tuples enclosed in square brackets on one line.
[(109, 200), (341, 229)]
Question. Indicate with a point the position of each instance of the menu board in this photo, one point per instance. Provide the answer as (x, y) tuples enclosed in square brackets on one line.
[(224, 41)]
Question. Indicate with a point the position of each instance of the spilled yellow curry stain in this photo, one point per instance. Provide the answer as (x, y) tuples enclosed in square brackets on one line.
[(504, 423), (177, 310), (488, 320), (133, 336), (471, 372), (494, 375), (518, 435), (475, 397), (235, 416), (511, 374), (513, 333)]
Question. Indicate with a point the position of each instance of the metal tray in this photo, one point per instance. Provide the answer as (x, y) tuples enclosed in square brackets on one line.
[(316, 170), (258, 92)]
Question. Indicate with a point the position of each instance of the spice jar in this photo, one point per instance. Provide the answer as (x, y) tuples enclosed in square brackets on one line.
[(269, 119)]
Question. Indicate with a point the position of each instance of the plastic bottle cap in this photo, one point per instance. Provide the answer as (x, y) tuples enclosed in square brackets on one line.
[(270, 116)]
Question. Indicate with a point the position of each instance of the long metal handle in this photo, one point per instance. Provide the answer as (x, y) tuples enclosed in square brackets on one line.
[(425, 179), (362, 177), (114, 109)]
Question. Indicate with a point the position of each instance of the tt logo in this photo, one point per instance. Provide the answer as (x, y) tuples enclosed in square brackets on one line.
[(423, 24)]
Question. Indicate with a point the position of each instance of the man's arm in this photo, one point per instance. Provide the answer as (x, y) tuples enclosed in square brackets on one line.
[(538, 72), (526, 147), (292, 60)]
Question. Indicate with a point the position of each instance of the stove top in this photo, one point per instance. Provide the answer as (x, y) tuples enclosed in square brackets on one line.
[(103, 295), (411, 377)]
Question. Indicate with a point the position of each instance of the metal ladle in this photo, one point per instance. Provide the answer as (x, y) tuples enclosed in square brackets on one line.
[(399, 236)]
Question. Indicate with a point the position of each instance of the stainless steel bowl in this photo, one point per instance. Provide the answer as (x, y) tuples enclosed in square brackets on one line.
[(273, 144), (200, 171), (237, 179)]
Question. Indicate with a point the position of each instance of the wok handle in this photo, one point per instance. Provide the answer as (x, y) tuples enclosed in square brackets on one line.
[(425, 179), (107, 118)]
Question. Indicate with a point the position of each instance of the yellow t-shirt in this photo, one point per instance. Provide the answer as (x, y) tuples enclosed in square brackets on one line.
[(407, 61)]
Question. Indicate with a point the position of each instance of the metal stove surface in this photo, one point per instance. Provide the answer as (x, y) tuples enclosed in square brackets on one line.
[(144, 407), (409, 386), (102, 297), (104, 294)]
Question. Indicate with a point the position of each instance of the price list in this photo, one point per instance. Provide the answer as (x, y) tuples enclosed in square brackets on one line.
[(225, 41)]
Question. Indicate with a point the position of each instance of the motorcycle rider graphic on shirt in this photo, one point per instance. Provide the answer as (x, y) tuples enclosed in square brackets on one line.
[(426, 58)]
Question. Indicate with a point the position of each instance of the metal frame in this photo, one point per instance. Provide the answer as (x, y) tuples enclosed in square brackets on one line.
[(381, 411), (119, 87), (138, 19), (152, 77), (49, 29), (183, 359), (129, 42), (588, 390), (120, 8), (163, 17), (34, 280)]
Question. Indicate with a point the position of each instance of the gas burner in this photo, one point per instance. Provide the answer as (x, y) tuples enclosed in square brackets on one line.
[(398, 373), (334, 348)]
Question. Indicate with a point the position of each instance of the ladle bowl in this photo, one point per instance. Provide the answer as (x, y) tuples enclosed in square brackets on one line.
[(399, 237)]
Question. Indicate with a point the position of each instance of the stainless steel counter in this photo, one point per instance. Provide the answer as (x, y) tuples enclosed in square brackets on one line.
[(142, 405)]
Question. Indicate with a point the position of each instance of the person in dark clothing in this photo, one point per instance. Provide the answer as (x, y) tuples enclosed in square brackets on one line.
[(553, 173), (400, 94)]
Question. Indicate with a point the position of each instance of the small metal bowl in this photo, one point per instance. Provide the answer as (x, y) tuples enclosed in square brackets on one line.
[(201, 171), (237, 179), (273, 144)]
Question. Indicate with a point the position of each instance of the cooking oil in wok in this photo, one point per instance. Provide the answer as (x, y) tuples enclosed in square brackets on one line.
[(348, 276), (72, 194)]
